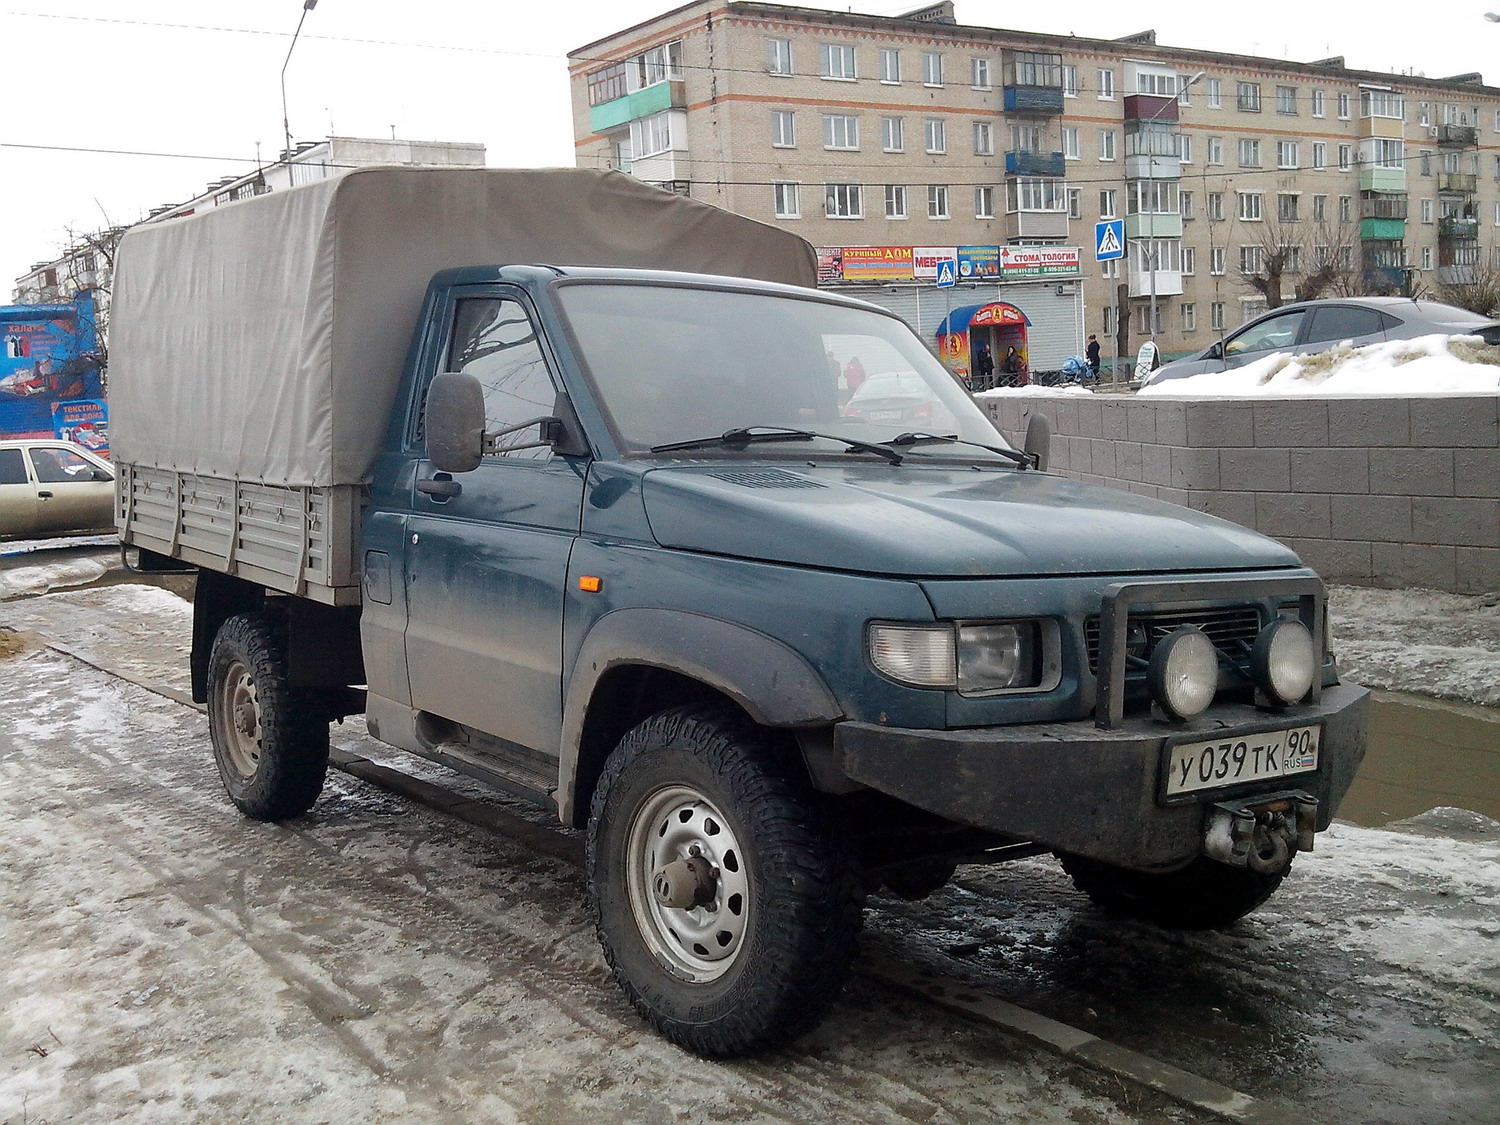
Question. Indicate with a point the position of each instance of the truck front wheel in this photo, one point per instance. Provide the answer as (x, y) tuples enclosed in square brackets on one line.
[(727, 906), (1204, 895), (270, 743)]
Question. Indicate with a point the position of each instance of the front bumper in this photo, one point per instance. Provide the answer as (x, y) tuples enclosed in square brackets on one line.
[(1094, 792)]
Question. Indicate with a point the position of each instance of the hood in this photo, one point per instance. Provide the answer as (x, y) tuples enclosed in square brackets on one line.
[(930, 521)]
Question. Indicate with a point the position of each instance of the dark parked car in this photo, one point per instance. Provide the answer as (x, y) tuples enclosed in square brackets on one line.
[(1316, 326), (53, 488)]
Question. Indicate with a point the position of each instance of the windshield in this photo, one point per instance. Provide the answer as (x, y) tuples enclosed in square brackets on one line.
[(674, 363)]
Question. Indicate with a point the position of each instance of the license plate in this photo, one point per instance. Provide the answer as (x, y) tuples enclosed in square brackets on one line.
[(1220, 762), (883, 415)]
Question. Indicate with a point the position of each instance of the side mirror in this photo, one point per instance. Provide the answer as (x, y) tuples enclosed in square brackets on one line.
[(1215, 351), (454, 422), (1038, 445)]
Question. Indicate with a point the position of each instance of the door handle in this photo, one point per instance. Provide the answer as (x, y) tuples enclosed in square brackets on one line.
[(440, 488), (43, 494)]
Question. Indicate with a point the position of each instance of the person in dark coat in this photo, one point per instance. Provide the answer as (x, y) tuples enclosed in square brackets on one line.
[(1092, 353), (984, 367)]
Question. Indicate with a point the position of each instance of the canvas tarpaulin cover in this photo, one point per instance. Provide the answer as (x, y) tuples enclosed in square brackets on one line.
[(264, 340)]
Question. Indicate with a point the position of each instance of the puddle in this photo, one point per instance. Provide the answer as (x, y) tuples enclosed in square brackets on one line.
[(1423, 754)]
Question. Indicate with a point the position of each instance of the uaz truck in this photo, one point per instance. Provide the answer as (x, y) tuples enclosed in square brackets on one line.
[(559, 479)]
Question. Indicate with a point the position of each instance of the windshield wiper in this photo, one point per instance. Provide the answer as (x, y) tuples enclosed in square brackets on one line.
[(748, 435), (1025, 460)]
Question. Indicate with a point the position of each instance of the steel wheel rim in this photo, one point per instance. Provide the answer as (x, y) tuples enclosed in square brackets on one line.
[(702, 942), (239, 720)]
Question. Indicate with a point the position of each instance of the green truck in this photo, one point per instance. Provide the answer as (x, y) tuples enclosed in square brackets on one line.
[(560, 480)]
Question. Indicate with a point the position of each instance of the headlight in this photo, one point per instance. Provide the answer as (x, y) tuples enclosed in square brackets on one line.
[(1184, 672), (1283, 662), (972, 659)]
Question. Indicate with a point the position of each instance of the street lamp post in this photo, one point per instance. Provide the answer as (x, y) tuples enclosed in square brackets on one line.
[(286, 126)]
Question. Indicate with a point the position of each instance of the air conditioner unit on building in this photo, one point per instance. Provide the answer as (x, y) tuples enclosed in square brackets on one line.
[(1432, 131)]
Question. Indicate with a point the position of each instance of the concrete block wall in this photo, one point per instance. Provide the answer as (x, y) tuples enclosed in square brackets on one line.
[(1392, 492)]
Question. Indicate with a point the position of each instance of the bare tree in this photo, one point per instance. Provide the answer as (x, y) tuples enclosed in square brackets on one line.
[(1317, 259), (1479, 291)]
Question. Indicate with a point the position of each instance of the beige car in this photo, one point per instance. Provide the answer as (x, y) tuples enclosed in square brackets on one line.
[(53, 488)]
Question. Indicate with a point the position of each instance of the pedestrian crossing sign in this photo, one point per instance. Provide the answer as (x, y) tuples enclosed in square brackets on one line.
[(947, 274), (1109, 240)]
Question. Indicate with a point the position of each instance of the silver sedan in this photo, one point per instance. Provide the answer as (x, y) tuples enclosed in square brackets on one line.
[(53, 488)]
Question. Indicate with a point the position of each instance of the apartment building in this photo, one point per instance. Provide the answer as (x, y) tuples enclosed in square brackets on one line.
[(898, 144)]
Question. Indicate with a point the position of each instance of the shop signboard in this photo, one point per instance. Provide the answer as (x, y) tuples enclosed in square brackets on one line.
[(830, 264), (1018, 262), (877, 263), (978, 262), (926, 259)]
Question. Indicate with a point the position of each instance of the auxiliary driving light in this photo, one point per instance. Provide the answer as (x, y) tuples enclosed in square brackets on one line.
[(1184, 672), (1283, 662)]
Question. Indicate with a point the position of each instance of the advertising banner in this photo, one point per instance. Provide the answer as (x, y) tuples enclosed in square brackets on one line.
[(85, 421), (925, 259), (49, 358), (877, 263), (1038, 261), (830, 264), (978, 262)]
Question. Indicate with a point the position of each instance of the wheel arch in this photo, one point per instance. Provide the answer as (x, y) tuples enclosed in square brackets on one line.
[(638, 661)]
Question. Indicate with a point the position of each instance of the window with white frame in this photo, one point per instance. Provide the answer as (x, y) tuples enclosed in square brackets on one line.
[(836, 60), (1110, 269), (1156, 84), (937, 201), (1252, 259), (783, 128), (1185, 205), (1249, 152), (1104, 83), (984, 202), (1250, 206), (1184, 148), (1381, 103), (1319, 106), (778, 56), (1070, 88), (1214, 202), (893, 134), (1189, 316), (843, 201), (984, 138), (890, 65), (1424, 162), (1247, 97), (1213, 93), (1288, 207), (1106, 144), (1075, 203), (979, 73), (1159, 254), (1108, 327), (788, 200), (1427, 257), (1320, 155), (1497, 214), (1216, 316), (1184, 89), (1151, 197), (1108, 204), (1320, 209), (650, 135), (1189, 260), (1027, 194), (1346, 208), (1215, 154), (661, 64), (932, 68), (1287, 154), (935, 130), (1426, 205), (841, 131), (1346, 157), (1070, 142), (896, 201), (1343, 106), (1286, 100), (1386, 153), (1216, 260)]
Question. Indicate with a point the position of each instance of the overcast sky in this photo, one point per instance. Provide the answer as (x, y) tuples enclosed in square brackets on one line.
[(195, 84)]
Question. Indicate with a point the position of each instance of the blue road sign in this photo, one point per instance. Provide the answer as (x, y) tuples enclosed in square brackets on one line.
[(1109, 240), (947, 273)]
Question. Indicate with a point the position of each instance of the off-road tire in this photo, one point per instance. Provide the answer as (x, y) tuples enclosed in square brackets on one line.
[(270, 740), (1204, 895), (802, 895)]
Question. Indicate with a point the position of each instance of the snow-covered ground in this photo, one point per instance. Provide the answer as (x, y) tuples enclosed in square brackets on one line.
[(1427, 365)]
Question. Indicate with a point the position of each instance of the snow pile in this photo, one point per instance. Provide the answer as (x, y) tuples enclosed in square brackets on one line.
[(1426, 365), (28, 581), (1032, 389)]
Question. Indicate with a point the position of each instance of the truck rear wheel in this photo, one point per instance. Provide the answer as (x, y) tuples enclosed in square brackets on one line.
[(269, 741), (727, 906), (1204, 895)]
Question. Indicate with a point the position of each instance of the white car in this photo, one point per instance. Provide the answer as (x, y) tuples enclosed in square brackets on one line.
[(53, 488)]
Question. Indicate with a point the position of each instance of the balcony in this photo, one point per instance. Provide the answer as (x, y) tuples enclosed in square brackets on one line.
[(1168, 283), (1457, 136), (1382, 230), (1391, 181), (1153, 225), (1150, 107), (1034, 101), (1458, 230), (1035, 224), (1382, 205), (641, 103), (1464, 183), (1466, 274), (1024, 162)]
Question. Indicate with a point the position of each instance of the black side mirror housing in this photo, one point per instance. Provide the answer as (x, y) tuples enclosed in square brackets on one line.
[(454, 422)]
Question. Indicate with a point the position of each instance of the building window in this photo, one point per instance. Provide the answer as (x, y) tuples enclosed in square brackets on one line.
[(1213, 93), (1216, 261), (1320, 209), (1343, 107), (1106, 144), (650, 135), (1427, 257), (1390, 154), (1070, 142), (937, 201), (1105, 80), (1215, 150), (935, 130), (1381, 103), (788, 201), (1247, 97), (1036, 195), (1151, 197), (1287, 155), (984, 138), (1318, 106), (1216, 316), (1287, 207), (1252, 259), (1346, 157), (932, 68), (840, 131), (836, 61), (893, 134), (609, 83), (1075, 203), (980, 73), (1250, 210), (783, 128), (1346, 208), (1319, 155), (1189, 261), (843, 201), (1189, 317), (1070, 88), (1249, 153), (895, 201), (1184, 89), (984, 202), (661, 64), (1426, 210), (1424, 162), (890, 65), (1185, 204), (1109, 318), (1215, 202), (1286, 100), (1184, 148), (1107, 204), (1110, 270)]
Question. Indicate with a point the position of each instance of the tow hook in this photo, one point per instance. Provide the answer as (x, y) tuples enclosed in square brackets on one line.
[(1262, 833)]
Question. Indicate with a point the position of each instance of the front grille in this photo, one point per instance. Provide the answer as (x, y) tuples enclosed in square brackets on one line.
[(1232, 629)]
